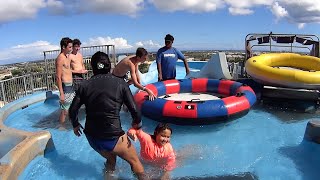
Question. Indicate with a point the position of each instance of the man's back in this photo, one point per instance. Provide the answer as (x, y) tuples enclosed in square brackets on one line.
[(123, 67), (103, 96)]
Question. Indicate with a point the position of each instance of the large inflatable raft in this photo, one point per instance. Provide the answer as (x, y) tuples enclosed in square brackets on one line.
[(236, 100), (285, 70)]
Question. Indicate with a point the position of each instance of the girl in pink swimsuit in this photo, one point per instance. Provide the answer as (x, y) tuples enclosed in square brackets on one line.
[(156, 148)]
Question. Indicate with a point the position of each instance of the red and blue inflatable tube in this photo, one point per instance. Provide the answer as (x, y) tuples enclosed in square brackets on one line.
[(237, 101)]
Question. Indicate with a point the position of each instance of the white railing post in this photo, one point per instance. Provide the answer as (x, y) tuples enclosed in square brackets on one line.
[(3, 94)]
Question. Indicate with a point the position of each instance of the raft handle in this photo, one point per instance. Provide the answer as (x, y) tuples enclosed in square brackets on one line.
[(197, 100), (189, 107), (239, 94), (166, 96)]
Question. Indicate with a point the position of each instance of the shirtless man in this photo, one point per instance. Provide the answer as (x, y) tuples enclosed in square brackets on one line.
[(77, 65), (64, 78), (131, 63)]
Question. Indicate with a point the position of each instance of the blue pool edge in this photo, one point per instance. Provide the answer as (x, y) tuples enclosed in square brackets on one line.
[(27, 145)]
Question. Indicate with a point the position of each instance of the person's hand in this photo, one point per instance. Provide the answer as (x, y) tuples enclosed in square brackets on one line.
[(187, 72), (151, 95), (77, 130), (132, 135), (62, 99), (136, 126), (83, 71), (160, 77)]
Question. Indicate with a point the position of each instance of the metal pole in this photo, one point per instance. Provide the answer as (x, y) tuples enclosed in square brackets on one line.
[(46, 67), (25, 85), (3, 94), (31, 83)]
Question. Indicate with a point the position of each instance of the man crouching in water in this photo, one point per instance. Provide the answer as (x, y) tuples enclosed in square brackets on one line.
[(103, 94)]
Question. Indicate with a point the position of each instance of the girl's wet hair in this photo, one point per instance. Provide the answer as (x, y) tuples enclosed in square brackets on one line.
[(161, 127)]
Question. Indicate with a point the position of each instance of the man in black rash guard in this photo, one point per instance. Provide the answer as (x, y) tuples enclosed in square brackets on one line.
[(103, 95)]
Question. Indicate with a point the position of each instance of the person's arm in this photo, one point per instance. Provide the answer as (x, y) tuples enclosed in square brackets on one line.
[(159, 68), (134, 79), (59, 65), (140, 135), (159, 72), (137, 73), (131, 105), (181, 56), (73, 114), (83, 71), (83, 66)]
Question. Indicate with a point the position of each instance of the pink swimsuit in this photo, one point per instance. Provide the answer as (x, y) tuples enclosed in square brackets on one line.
[(152, 152)]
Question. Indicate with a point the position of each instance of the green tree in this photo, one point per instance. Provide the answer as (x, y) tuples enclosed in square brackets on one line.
[(17, 72)]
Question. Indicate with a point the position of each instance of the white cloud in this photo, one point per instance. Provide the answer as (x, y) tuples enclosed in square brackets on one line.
[(124, 7), (26, 52), (300, 11), (120, 43), (56, 7), (240, 11), (34, 51), (301, 25), (12, 10), (149, 45), (294, 11), (244, 7), (278, 11), (195, 6)]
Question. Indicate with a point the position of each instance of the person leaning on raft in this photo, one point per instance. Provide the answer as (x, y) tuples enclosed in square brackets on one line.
[(131, 63), (103, 95)]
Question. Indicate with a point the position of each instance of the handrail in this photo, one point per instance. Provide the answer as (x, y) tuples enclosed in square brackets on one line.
[(17, 87)]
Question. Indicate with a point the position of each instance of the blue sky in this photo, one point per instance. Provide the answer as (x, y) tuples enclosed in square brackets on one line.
[(29, 27)]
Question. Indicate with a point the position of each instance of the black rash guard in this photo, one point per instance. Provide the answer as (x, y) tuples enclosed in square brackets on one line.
[(103, 96)]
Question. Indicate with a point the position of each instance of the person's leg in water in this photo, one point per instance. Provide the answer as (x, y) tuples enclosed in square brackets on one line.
[(110, 165), (63, 115), (125, 150), (62, 119)]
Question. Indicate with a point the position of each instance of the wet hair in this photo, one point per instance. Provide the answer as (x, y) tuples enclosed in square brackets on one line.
[(76, 42), (64, 42), (169, 37), (141, 52), (100, 63), (160, 127)]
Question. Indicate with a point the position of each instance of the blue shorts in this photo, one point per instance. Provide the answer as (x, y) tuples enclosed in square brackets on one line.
[(102, 144)]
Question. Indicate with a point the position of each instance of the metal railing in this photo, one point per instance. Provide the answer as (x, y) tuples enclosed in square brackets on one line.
[(18, 87)]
